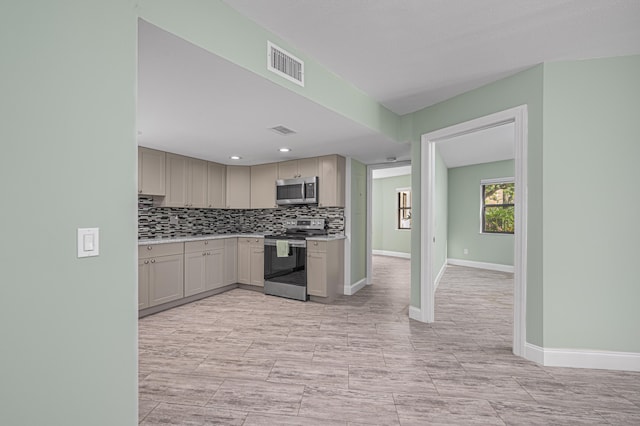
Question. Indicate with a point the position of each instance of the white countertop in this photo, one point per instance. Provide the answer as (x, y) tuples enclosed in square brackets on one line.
[(327, 237), (222, 236), (196, 238)]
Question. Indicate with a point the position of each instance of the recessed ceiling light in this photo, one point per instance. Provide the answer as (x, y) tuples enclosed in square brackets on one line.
[(235, 157), (284, 149)]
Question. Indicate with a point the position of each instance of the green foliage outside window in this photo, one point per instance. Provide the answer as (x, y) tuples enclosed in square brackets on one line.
[(498, 208)]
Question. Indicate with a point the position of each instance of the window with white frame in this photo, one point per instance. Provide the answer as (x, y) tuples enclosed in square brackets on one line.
[(497, 205), (404, 208)]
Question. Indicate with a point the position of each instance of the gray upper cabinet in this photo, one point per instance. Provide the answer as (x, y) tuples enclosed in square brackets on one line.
[(190, 182), (186, 182), (288, 169), (304, 167), (197, 183), (151, 171), (176, 178), (332, 181), (217, 185), (263, 186), (308, 167), (238, 187)]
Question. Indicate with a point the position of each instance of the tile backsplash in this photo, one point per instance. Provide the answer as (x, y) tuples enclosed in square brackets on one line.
[(167, 222)]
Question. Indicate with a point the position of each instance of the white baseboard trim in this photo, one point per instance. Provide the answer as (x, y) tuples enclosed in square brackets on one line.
[(391, 253), (583, 358), (439, 277), (415, 313), (351, 289), (533, 353), (481, 265)]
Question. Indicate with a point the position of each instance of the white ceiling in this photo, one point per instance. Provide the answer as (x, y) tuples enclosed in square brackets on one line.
[(194, 103), (410, 54), (390, 172), (482, 146), (405, 54)]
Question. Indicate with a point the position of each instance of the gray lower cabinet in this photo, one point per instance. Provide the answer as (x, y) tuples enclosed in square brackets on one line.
[(230, 261), (204, 266), (172, 271), (317, 274), (194, 273), (325, 266), (251, 261), (143, 283), (165, 279), (160, 274)]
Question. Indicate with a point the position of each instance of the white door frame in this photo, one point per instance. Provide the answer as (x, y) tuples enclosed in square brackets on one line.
[(518, 116)]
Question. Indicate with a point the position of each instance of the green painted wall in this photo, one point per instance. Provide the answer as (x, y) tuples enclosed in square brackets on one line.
[(68, 326), (525, 87), (442, 215), (358, 221), (385, 233), (592, 204), (464, 215), (220, 29)]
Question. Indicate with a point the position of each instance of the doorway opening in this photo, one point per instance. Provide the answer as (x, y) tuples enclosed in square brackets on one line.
[(429, 236), (389, 214)]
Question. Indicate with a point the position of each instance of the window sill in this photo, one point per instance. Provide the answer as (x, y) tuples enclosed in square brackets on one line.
[(495, 233)]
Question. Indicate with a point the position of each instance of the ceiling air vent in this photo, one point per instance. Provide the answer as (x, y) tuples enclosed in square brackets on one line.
[(282, 130), (285, 64)]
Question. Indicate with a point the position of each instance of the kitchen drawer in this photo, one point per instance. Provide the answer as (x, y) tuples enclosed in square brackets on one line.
[(316, 246), (155, 250), (197, 246)]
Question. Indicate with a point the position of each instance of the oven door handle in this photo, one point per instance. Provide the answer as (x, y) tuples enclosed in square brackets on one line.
[(292, 243)]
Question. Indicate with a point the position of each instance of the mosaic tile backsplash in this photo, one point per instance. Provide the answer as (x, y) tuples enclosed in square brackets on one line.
[(168, 222)]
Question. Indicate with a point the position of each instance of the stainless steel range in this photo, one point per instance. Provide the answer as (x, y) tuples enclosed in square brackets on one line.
[(285, 258)]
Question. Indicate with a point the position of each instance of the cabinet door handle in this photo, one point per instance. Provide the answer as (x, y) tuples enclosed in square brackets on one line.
[(146, 262), (204, 253), (153, 261), (139, 191), (206, 242), (149, 248)]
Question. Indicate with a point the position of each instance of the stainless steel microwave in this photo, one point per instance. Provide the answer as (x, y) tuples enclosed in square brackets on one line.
[(297, 191)]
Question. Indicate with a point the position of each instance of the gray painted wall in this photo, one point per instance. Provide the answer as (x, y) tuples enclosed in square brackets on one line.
[(441, 214), (464, 215), (69, 325), (592, 204), (385, 233)]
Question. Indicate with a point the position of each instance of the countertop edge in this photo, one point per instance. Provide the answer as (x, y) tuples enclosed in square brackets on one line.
[(223, 236), (195, 238)]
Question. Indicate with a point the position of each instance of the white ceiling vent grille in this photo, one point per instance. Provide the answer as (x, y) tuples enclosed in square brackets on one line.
[(282, 130), (285, 64)]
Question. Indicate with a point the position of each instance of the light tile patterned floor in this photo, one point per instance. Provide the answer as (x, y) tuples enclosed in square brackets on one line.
[(242, 358)]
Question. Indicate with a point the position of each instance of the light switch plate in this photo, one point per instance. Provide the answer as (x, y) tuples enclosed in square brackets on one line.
[(88, 242)]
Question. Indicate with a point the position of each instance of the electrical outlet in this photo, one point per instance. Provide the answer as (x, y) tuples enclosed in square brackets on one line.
[(173, 220), (465, 251)]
